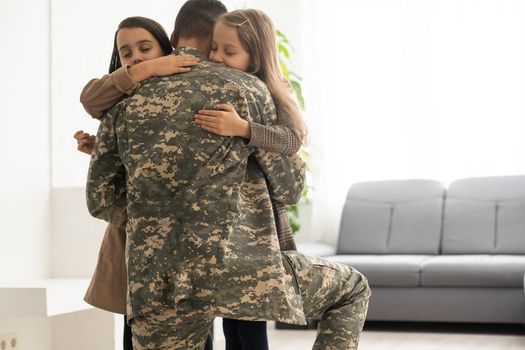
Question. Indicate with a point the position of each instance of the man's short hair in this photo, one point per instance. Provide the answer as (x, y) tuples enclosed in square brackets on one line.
[(196, 19)]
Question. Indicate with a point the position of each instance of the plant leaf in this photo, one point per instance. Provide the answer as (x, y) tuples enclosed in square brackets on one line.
[(284, 50), (298, 92), (284, 69)]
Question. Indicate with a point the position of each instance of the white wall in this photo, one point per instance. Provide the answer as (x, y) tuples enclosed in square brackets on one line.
[(412, 89), (24, 146), (76, 236)]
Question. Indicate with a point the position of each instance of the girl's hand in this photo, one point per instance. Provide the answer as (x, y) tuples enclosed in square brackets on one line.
[(224, 122), (85, 141), (171, 64)]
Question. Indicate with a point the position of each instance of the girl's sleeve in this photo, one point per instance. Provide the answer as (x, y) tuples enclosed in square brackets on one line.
[(101, 94), (274, 138)]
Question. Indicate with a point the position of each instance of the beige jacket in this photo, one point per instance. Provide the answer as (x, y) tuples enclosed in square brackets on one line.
[(108, 287)]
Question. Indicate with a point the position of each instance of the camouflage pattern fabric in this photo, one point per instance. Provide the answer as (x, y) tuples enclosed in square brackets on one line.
[(185, 194), (189, 332), (336, 293)]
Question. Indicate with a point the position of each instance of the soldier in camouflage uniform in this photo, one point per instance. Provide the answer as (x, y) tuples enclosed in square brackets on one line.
[(185, 190)]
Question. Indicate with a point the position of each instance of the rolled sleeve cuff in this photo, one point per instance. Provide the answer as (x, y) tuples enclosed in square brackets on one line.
[(259, 137)]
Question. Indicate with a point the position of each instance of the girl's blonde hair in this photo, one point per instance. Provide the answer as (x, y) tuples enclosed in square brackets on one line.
[(258, 37)]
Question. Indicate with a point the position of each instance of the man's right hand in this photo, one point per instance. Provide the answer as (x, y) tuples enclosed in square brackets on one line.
[(85, 141)]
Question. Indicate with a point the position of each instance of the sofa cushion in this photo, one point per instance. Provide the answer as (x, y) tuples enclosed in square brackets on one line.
[(485, 216), (386, 270), (392, 217), (473, 271)]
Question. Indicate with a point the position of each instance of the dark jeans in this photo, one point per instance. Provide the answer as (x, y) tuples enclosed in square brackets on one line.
[(245, 335), (128, 345)]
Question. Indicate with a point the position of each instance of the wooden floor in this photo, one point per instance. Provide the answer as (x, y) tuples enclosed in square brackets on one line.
[(410, 336)]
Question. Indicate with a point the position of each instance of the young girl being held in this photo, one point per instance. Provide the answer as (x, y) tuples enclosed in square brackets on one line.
[(246, 40), (141, 50)]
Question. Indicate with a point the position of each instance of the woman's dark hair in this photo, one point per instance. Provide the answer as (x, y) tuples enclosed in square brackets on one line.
[(153, 27), (196, 19)]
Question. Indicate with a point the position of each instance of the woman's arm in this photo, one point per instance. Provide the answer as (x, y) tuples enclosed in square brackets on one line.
[(101, 94), (272, 138)]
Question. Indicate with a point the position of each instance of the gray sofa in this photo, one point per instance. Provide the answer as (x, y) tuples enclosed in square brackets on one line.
[(436, 254)]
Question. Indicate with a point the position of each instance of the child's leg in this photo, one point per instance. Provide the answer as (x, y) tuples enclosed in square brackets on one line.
[(253, 335), (209, 342), (229, 328), (128, 344), (245, 335)]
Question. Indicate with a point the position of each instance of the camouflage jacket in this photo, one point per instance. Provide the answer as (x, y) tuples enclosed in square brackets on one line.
[(200, 229)]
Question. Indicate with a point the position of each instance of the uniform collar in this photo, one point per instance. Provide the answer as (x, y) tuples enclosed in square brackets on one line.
[(190, 51)]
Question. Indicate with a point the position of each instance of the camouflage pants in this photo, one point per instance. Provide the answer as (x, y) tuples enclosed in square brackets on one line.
[(165, 332), (334, 292)]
